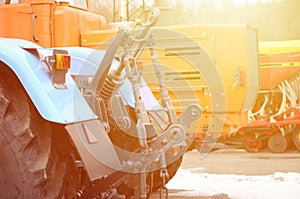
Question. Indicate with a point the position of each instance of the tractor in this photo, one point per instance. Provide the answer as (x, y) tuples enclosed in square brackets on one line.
[(79, 122)]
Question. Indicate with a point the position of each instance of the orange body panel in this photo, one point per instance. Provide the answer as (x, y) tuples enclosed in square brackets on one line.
[(70, 23), (16, 21), (272, 76), (274, 68), (47, 23), (42, 23)]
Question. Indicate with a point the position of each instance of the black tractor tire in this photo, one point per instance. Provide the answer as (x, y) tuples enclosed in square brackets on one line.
[(31, 165)]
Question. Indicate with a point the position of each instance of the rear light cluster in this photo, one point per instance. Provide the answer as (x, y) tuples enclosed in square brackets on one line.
[(62, 61), (59, 63)]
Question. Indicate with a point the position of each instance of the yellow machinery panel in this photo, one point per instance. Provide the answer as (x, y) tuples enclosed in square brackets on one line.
[(213, 65), (233, 52)]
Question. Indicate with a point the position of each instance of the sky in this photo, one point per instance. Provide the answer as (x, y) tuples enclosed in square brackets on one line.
[(196, 182), (219, 3)]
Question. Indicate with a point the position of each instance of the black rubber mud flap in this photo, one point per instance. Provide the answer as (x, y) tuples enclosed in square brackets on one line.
[(95, 148)]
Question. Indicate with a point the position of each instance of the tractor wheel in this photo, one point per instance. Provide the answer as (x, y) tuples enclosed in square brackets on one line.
[(30, 165), (277, 143), (296, 138), (251, 144)]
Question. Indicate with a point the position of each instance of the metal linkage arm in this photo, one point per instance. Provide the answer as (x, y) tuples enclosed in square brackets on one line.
[(107, 60)]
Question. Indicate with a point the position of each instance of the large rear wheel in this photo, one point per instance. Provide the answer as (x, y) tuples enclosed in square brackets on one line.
[(31, 165)]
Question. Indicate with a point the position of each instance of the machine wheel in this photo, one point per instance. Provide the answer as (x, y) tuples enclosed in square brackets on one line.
[(30, 165), (251, 144), (296, 138), (277, 143)]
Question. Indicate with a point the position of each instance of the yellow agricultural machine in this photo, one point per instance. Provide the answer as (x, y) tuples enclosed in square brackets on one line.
[(267, 118)]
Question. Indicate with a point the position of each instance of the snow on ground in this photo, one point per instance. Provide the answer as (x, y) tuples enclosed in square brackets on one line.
[(195, 182)]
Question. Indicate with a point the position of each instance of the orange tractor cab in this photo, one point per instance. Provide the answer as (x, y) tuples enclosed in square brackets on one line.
[(47, 22)]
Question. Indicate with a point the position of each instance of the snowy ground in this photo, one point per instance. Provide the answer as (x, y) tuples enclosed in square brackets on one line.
[(196, 182)]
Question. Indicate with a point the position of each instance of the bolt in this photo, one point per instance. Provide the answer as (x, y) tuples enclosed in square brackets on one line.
[(194, 112), (164, 142)]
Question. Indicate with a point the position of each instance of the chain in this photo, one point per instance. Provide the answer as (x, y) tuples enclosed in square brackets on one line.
[(163, 193)]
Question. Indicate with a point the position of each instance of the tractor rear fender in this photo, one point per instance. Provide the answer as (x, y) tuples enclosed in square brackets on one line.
[(62, 106)]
